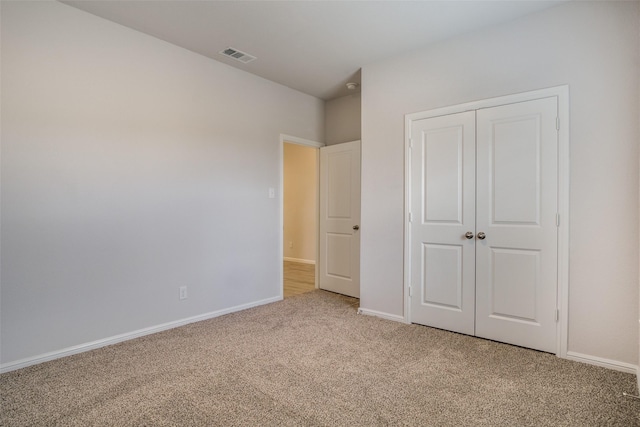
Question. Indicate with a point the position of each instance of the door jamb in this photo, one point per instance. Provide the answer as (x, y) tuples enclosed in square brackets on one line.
[(284, 138), (562, 94)]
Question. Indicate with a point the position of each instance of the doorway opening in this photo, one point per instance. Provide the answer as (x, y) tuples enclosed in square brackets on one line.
[(299, 215)]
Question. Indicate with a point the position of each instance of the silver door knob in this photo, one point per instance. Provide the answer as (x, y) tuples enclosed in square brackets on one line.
[(468, 235), (356, 227), (481, 235)]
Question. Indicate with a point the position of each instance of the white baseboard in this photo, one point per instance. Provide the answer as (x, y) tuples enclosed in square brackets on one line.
[(81, 348), (300, 260), (381, 314), (600, 361)]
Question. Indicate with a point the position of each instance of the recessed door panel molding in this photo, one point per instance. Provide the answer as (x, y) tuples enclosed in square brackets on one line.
[(483, 219), (339, 260), (442, 276), (514, 284), (442, 154), (338, 255), (339, 205), (515, 170)]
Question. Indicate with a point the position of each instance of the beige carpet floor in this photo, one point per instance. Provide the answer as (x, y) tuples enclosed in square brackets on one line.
[(310, 360)]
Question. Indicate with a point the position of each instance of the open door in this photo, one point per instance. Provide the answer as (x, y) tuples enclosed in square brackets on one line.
[(339, 257)]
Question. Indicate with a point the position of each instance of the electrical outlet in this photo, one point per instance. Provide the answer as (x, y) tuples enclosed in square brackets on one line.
[(290, 244), (183, 292)]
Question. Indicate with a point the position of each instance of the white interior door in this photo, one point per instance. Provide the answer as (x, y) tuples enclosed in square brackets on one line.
[(517, 204), (443, 211), (339, 257), (483, 230)]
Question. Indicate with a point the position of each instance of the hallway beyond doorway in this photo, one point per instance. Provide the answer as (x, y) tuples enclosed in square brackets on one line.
[(299, 278)]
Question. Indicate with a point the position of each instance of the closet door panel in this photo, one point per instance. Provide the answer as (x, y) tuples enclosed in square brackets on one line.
[(443, 210), (516, 262)]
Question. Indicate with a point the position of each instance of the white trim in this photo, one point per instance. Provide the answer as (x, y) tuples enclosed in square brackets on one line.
[(562, 94), (81, 348), (600, 361), (564, 166), (407, 211), (300, 260), (388, 316), (490, 102), (284, 138), (300, 141), (317, 278)]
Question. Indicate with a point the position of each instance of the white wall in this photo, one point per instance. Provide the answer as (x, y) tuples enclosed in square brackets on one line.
[(342, 119), (300, 208), (592, 47), (131, 167)]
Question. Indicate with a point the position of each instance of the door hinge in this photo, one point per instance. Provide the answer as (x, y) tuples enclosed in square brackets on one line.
[(410, 291), (410, 142), (557, 315), (557, 220), (410, 217), (557, 123)]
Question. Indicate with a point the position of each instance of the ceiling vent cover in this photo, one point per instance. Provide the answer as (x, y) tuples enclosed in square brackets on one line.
[(238, 55)]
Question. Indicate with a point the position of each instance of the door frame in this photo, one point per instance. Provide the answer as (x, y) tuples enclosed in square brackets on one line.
[(289, 139), (562, 93)]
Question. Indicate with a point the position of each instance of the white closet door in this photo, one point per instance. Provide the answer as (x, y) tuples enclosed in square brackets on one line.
[(443, 211), (516, 263), (490, 175)]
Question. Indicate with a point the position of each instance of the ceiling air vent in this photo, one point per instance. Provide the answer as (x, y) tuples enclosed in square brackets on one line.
[(237, 55)]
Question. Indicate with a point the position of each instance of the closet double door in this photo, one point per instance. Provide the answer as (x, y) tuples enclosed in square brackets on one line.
[(483, 223)]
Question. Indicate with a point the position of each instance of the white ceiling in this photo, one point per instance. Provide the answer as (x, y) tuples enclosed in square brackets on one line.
[(311, 46)]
